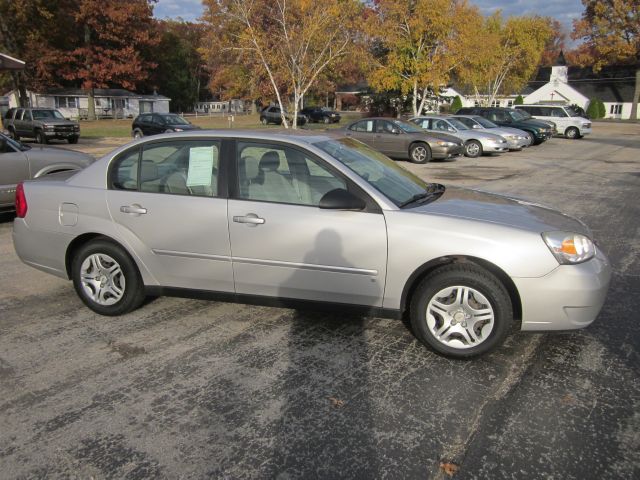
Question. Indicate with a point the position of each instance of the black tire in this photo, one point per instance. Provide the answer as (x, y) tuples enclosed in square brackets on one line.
[(133, 289), (264, 121), (72, 140), (469, 276), (473, 149), (13, 134), (420, 152), (137, 133), (572, 133), (41, 137), (326, 120)]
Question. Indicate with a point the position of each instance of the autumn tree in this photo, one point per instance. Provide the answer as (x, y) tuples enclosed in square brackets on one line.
[(556, 43), (418, 44), (610, 31), (505, 56), (290, 42), (111, 46)]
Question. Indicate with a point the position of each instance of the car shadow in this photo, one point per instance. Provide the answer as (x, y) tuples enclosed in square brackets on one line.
[(7, 217)]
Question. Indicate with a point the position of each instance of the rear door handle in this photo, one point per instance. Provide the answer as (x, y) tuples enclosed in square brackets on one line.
[(250, 219), (134, 209)]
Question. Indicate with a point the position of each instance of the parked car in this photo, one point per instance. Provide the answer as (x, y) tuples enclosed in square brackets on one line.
[(155, 123), (42, 124), (404, 140), (476, 142), (309, 220), (271, 114), (508, 117), (570, 123), (517, 139), (20, 162), (321, 114)]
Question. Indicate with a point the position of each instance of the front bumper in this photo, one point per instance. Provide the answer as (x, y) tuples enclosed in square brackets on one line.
[(568, 298), (440, 153), (62, 135), (492, 147)]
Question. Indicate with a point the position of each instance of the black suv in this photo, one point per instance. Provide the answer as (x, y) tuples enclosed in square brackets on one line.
[(154, 123), (43, 124), (507, 117), (321, 114), (272, 115)]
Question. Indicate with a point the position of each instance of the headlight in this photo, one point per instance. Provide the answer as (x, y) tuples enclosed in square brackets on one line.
[(49, 127), (442, 143), (178, 130), (569, 248), (76, 128)]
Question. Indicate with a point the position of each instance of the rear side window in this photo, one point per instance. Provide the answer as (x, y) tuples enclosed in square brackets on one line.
[(363, 126), (185, 167)]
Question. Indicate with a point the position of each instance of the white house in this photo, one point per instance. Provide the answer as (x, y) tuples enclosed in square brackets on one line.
[(109, 102), (613, 85)]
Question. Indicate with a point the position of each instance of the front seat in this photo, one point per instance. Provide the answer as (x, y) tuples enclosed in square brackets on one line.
[(271, 185)]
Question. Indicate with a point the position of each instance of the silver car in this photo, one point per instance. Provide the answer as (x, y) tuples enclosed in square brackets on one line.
[(309, 219), (20, 162), (517, 139), (476, 142)]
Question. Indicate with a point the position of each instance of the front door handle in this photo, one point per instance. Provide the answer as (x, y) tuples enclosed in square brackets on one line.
[(134, 209), (250, 219)]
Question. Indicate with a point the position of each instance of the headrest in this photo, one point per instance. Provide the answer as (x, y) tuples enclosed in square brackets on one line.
[(270, 161), (148, 171), (249, 165)]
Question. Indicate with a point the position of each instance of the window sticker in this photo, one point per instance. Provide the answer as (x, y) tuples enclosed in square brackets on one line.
[(200, 166)]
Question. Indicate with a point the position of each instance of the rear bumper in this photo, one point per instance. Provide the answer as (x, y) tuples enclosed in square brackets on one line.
[(568, 298)]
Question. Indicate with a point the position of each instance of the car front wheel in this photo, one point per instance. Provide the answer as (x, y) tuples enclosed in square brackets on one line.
[(106, 279), (572, 133), (13, 134), (137, 134), (473, 149), (420, 153), (41, 137), (461, 311), (264, 121)]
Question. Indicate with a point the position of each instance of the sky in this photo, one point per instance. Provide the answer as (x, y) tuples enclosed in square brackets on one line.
[(565, 11)]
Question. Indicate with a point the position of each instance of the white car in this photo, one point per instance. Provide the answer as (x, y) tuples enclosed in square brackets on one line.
[(568, 121)]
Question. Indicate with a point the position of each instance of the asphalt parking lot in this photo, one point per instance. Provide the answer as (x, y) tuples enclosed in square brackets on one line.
[(197, 389)]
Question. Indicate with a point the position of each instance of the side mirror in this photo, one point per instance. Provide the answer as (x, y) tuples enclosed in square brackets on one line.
[(396, 131), (475, 125), (341, 199), (451, 129)]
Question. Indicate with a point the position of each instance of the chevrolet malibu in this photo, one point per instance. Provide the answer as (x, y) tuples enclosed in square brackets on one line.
[(309, 220)]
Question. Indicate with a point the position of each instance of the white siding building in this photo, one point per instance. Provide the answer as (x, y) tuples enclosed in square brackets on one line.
[(109, 102)]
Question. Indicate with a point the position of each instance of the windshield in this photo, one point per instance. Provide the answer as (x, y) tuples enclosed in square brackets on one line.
[(14, 143), (518, 115), (407, 127), (485, 123), (382, 173), (174, 120), (44, 114), (572, 112), (458, 124)]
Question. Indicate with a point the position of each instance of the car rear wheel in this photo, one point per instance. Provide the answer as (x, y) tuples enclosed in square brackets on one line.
[(572, 133), (473, 149), (106, 279), (420, 153), (41, 137), (461, 311)]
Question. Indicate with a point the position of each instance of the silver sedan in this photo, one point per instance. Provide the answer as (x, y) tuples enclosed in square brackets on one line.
[(309, 220), (476, 142), (518, 139)]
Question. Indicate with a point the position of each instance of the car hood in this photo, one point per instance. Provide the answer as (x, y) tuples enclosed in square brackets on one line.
[(493, 208), (534, 123), (478, 133), (439, 136), (506, 131), (55, 121), (58, 155)]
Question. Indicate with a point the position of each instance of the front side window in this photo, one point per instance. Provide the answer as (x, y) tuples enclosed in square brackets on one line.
[(185, 167), (558, 112), (277, 173)]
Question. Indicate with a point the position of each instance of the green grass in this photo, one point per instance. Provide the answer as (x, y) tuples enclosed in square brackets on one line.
[(122, 128)]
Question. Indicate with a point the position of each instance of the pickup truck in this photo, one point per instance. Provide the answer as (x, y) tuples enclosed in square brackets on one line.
[(42, 124)]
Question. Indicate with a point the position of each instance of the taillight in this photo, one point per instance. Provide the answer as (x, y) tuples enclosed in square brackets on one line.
[(21, 202)]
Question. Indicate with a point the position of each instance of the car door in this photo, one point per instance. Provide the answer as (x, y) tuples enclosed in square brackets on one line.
[(390, 139), (363, 131), (168, 204), (285, 246), (157, 124), (14, 168), (18, 123), (558, 116)]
